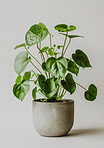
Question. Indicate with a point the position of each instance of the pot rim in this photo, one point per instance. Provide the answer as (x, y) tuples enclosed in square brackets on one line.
[(63, 101)]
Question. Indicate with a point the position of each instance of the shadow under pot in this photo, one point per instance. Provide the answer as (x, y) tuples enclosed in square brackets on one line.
[(53, 119)]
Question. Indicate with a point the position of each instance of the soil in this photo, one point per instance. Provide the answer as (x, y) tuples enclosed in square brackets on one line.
[(53, 100)]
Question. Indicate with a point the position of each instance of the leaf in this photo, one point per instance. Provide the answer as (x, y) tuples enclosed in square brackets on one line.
[(35, 34), (50, 95), (21, 62), (54, 45), (35, 82), (51, 52), (27, 75), (72, 67), (18, 79), (44, 66), (42, 25), (61, 28), (48, 86), (40, 90), (72, 36), (57, 67), (34, 91), (45, 49), (20, 90), (81, 59), (21, 45), (91, 93), (59, 46), (32, 75), (72, 28), (69, 83), (57, 82), (41, 81), (56, 53)]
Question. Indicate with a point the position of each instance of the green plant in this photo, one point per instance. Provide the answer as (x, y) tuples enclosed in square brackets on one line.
[(55, 75)]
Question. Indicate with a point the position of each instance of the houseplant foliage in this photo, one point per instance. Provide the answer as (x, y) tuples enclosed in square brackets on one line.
[(54, 75)]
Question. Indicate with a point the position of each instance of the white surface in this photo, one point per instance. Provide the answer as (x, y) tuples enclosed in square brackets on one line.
[(18, 131), (16, 128)]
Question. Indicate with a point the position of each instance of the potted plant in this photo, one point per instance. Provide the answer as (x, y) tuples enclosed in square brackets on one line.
[(52, 115)]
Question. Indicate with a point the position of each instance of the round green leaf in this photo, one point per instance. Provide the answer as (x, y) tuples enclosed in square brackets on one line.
[(72, 67), (57, 82), (36, 29), (51, 52), (91, 94), (57, 67), (34, 91), (42, 25), (45, 49), (81, 58), (21, 62), (72, 28), (18, 79), (20, 90), (71, 36), (35, 34), (41, 81), (50, 95), (21, 45), (59, 46), (44, 66), (61, 28), (69, 83), (27, 75), (48, 86)]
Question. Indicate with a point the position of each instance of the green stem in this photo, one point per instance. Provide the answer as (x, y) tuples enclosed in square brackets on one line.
[(46, 73), (49, 75), (35, 67), (33, 56), (41, 94), (50, 40), (40, 45), (64, 44), (80, 86), (41, 53), (67, 46), (34, 73), (62, 92)]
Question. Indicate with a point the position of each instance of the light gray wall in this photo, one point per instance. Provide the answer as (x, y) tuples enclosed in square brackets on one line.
[(17, 16)]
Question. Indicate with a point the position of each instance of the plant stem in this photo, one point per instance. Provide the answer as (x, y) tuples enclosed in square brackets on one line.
[(64, 44), (34, 73), (50, 40), (63, 93), (41, 94), (41, 53), (60, 91), (67, 46), (35, 67), (80, 86), (40, 45), (33, 57)]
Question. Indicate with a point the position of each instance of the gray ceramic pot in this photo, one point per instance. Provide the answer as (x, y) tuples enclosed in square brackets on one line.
[(53, 118)]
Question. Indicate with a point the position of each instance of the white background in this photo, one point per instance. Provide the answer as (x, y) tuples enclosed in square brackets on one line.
[(16, 16)]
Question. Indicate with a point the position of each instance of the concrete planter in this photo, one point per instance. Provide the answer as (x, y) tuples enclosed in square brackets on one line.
[(53, 118)]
